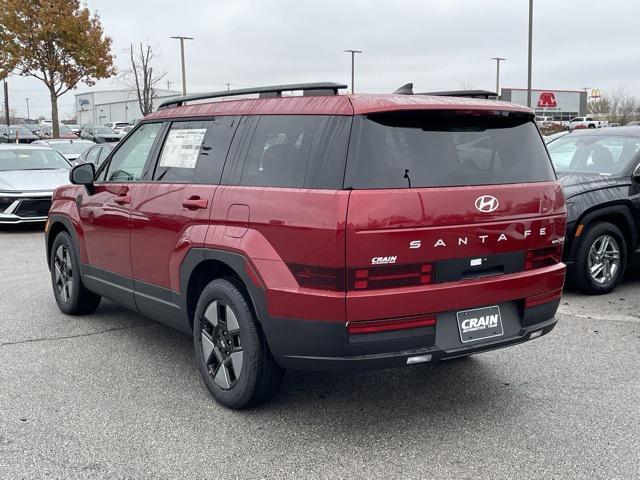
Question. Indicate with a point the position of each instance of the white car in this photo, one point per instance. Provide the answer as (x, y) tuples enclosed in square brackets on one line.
[(69, 148), (28, 176), (117, 126)]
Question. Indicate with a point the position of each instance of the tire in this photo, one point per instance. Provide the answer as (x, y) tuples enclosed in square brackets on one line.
[(590, 245), (591, 125), (70, 293), (231, 351)]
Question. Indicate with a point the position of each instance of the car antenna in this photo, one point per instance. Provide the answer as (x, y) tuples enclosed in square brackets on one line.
[(406, 89)]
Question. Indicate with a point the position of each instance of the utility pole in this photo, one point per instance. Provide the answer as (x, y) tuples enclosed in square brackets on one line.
[(530, 53), (6, 102), (28, 114), (498, 60), (184, 80), (353, 56)]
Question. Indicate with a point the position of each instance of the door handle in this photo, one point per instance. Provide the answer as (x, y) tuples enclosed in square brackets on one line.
[(122, 199), (195, 203)]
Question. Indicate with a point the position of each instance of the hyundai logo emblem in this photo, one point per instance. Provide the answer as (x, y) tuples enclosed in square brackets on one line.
[(487, 203)]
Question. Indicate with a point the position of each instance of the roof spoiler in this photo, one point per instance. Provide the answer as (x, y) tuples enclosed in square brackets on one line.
[(407, 89), (308, 89)]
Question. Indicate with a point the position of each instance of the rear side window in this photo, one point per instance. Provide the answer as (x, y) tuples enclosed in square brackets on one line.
[(195, 151), (442, 149), (279, 151), (297, 151)]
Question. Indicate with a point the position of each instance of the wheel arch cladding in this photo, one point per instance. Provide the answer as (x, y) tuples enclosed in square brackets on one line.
[(618, 215), (59, 224), (203, 265)]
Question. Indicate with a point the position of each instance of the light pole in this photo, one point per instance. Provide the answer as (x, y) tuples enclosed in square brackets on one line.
[(353, 56), (530, 53), (184, 80), (28, 114), (6, 102), (498, 60)]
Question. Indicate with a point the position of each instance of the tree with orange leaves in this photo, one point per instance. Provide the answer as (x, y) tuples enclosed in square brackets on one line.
[(56, 41)]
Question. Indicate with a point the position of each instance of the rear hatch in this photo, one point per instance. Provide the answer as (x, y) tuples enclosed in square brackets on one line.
[(442, 202)]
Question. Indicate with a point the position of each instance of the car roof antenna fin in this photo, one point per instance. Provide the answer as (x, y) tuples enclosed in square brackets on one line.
[(406, 89)]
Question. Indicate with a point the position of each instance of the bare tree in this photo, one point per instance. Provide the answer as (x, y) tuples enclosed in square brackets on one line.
[(13, 115), (141, 78), (600, 105), (617, 106)]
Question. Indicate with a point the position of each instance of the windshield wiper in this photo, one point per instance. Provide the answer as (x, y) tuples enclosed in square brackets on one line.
[(406, 175)]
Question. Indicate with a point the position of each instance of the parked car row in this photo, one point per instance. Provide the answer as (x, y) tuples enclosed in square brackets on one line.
[(30, 132)]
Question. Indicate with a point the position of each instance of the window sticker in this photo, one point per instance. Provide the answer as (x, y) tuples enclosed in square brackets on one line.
[(182, 148)]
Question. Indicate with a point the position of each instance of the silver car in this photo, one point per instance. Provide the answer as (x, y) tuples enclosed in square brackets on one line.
[(28, 176), (69, 148)]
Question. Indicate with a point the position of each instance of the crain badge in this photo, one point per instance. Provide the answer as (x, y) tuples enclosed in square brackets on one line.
[(383, 260)]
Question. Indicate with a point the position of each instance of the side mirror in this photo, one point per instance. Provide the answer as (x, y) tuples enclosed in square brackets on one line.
[(83, 174)]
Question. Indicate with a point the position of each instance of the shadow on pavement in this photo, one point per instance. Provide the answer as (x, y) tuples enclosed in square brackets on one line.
[(22, 228), (338, 400)]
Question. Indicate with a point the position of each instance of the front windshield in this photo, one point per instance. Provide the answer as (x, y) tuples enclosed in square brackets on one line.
[(104, 130), (32, 159), (64, 129), (20, 130), (599, 154), (67, 148)]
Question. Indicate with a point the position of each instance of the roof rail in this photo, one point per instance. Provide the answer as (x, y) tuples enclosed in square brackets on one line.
[(308, 89), (407, 89), (463, 93)]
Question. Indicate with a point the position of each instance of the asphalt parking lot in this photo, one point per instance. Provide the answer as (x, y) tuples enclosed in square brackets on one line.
[(114, 395)]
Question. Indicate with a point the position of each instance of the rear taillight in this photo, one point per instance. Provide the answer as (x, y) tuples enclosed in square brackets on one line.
[(313, 276), (365, 278), (543, 257), (376, 326), (390, 276)]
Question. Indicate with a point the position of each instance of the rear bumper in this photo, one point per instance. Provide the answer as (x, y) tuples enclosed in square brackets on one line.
[(314, 345)]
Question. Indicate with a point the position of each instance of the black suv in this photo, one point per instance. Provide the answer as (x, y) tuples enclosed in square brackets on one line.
[(600, 174)]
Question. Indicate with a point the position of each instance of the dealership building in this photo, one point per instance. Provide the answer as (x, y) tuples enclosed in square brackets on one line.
[(96, 107), (559, 104)]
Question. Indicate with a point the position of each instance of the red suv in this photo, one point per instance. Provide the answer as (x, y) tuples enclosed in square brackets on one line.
[(318, 231)]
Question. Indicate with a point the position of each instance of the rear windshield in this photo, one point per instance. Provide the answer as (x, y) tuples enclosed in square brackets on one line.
[(442, 149)]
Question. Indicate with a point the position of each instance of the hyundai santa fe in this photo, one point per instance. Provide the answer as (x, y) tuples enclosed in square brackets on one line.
[(318, 231)]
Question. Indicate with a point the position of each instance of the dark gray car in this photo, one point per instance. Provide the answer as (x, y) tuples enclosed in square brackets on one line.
[(99, 134), (16, 134)]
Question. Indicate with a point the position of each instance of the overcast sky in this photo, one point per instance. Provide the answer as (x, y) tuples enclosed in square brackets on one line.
[(437, 44)]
